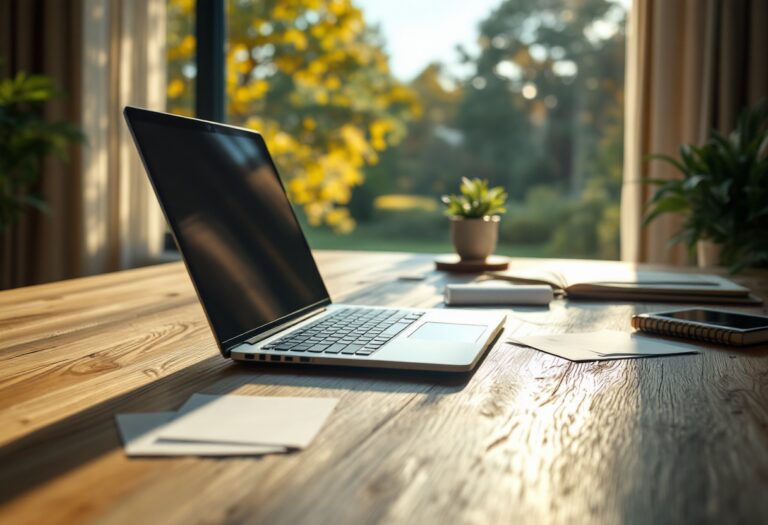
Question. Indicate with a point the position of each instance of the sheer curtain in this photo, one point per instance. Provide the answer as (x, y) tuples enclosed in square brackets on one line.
[(123, 64), (104, 54), (692, 65)]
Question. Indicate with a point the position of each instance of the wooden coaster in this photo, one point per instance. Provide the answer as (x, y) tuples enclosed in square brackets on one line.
[(453, 263)]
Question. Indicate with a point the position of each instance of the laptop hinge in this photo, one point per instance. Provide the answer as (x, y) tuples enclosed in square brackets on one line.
[(280, 328)]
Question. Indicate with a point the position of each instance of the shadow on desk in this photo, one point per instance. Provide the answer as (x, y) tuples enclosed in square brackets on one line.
[(77, 439), (56, 449)]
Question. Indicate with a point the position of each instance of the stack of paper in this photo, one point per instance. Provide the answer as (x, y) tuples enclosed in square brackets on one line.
[(208, 425), (604, 345)]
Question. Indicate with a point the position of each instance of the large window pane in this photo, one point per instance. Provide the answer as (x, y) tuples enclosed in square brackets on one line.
[(180, 45), (374, 108)]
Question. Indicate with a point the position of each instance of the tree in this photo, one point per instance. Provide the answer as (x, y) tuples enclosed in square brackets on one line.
[(431, 160), (548, 80), (313, 78)]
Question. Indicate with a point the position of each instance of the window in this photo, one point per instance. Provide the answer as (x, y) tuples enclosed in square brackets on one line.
[(374, 108), (182, 66)]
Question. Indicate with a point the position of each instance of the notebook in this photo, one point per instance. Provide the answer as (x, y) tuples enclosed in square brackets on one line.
[(623, 282), (716, 326)]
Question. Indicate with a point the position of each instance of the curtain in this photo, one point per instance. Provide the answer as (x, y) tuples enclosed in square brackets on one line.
[(692, 66), (42, 36), (104, 54), (123, 64)]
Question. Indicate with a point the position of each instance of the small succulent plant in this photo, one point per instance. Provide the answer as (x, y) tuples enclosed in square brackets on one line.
[(476, 200)]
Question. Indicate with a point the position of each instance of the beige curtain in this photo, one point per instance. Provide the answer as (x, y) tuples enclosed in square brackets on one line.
[(692, 66), (123, 64), (105, 54)]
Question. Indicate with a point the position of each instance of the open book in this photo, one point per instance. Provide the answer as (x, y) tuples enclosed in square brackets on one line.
[(585, 281)]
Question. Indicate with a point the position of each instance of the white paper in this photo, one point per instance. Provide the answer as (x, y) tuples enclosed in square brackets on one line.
[(282, 421), (494, 292), (139, 434), (604, 345)]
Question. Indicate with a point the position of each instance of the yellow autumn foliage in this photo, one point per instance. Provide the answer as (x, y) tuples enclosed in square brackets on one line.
[(314, 80)]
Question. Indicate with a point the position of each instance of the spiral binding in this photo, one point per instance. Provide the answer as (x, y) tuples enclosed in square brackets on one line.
[(677, 328)]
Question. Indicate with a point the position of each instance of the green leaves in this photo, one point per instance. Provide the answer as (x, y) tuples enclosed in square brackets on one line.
[(476, 200), (723, 191), (26, 139), (26, 88)]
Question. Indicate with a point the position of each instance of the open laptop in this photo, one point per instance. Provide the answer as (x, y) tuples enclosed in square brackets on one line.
[(255, 274)]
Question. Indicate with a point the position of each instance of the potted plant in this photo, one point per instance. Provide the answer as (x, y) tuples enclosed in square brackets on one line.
[(26, 138), (475, 218), (722, 195)]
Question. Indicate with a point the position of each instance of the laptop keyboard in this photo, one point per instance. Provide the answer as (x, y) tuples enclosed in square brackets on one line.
[(358, 331)]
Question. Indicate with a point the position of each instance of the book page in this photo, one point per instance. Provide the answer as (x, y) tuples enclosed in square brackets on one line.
[(623, 279), (539, 275)]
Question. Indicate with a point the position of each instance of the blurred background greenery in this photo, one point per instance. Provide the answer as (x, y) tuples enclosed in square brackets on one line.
[(534, 102)]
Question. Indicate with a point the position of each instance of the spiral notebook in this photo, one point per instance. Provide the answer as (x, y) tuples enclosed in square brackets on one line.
[(730, 328)]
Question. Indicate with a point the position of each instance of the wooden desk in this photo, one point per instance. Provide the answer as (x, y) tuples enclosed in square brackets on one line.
[(527, 437)]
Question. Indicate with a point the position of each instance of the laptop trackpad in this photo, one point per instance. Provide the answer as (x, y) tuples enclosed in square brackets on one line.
[(464, 333)]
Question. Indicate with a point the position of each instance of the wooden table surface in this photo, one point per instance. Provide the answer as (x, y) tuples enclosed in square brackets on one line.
[(527, 437)]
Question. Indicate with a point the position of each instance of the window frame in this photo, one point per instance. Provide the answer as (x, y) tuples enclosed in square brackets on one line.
[(210, 37)]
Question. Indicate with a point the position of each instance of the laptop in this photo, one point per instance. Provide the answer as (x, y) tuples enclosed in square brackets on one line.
[(254, 273)]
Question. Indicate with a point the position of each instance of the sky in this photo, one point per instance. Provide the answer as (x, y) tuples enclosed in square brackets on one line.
[(418, 32)]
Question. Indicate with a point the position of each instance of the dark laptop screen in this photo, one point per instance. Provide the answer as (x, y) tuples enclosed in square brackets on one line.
[(232, 221)]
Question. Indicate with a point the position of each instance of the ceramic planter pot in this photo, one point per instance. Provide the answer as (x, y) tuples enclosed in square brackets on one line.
[(708, 254), (474, 239)]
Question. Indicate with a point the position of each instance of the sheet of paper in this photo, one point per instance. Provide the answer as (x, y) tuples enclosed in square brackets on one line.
[(282, 421), (604, 345), (139, 434), (620, 276)]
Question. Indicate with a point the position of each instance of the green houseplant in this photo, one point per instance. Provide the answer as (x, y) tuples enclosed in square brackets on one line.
[(475, 215), (723, 192), (26, 139)]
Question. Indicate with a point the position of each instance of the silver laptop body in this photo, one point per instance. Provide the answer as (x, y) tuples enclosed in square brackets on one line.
[(254, 273)]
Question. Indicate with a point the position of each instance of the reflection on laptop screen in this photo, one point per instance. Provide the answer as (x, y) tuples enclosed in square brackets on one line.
[(232, 220)]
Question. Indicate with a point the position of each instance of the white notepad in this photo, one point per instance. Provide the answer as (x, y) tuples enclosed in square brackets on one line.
[(278, 421), (139, 432)]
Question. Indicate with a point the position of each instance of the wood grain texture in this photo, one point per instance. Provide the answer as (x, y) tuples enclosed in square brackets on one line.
[(527, 437)]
